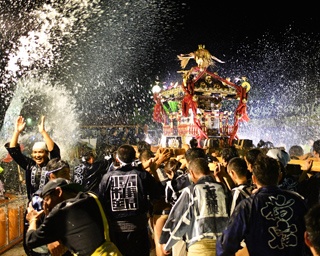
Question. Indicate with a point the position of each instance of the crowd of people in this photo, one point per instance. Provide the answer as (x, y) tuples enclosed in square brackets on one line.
[(118, 136), (140, 201)]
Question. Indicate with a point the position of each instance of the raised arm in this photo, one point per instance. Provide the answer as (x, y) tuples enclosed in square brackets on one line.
[(18, 128), (49, 142), (162, 156)]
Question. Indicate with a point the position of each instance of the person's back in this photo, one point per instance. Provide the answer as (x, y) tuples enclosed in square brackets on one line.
[(270, 221), (72, 217), (90, 172), (126, 194), (200, 214)]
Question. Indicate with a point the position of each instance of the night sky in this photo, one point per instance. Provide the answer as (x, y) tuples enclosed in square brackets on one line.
[(224, 27), (115, 52)]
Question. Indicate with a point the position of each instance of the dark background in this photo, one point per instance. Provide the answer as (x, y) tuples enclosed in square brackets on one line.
[(113, 58)]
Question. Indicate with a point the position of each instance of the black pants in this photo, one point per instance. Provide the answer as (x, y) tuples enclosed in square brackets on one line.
[(132, 243)]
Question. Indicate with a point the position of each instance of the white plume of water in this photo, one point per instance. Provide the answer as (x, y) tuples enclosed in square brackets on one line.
[(27, 71), (51, 100), (51, 26)]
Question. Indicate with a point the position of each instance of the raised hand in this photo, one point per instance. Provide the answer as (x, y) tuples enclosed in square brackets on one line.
[(20, 124), (41, 125)]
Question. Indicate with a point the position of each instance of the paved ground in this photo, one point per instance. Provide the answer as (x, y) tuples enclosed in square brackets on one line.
[(16, 250)]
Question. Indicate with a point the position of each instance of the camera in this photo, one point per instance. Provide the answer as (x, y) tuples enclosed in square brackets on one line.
[(37, 202)]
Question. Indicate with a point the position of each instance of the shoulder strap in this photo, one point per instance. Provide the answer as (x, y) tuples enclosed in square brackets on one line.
[(244, 191), (105, 222), (238, 190)]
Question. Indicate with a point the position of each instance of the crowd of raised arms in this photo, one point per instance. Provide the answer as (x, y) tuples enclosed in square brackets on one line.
[(135, 199)]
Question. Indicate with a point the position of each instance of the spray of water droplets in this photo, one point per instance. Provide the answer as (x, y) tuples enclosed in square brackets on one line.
[(78, 62), (27, 84), (117, 60), (283, 101), (108, 53), (61, 119), (49, 28)]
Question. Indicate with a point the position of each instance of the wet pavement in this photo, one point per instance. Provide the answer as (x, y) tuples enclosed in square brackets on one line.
[(16, 250)]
